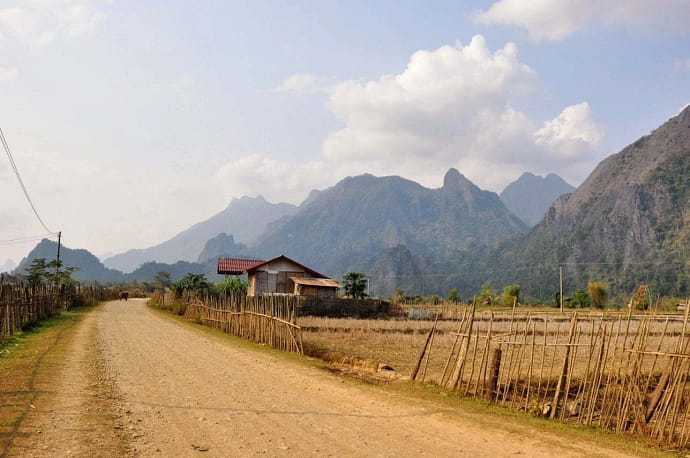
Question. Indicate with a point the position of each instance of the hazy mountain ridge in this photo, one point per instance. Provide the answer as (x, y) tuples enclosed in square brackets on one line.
[(8, 266), (364, 215), (222, 245), (530, 196), (626, 224), (90, 267), (245, 218)]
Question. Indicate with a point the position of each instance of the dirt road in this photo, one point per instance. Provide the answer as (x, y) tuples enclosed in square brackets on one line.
[(139, 383)]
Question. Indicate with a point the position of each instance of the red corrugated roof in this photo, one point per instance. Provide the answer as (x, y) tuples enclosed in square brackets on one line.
[(237, 266)]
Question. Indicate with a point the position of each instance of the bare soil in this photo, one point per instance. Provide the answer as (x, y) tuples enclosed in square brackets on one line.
[(130, 381)]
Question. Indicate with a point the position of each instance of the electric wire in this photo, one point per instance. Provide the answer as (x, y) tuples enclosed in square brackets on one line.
[(20, 240), (21, 182)]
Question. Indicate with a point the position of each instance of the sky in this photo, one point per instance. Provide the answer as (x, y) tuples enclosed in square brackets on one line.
[(131, 120)]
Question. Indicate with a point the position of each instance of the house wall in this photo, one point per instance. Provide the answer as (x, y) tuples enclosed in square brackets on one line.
[(275, 278), (316, 291)]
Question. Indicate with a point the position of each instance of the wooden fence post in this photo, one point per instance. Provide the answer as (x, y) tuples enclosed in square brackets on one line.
[(494, 370), (564, 370)]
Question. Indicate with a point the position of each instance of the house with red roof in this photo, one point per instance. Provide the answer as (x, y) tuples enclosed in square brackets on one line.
[(280, 275)]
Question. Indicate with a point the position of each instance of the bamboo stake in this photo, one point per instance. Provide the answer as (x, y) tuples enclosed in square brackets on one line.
[(543, 357), (582, 389), (431, 345), (485, 356), (452, 349), (598, 374), (460, 362), (413, 376), (564, 370), (531, 366), (474, 360)]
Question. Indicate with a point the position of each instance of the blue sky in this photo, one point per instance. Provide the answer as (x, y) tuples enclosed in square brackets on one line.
[(131, 120)]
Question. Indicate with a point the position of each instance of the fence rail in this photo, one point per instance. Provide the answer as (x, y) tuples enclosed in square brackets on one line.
[(269, 320), (627, 373), (23, 304)]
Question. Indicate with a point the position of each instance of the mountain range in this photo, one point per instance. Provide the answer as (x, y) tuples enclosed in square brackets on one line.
[(188, 244), (626, 224), (530, 196), (90, 268), (366, 215)]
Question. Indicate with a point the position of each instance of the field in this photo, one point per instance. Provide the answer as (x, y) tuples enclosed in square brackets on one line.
[(619, 371)]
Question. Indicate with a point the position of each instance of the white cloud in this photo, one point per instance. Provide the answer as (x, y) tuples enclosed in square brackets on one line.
[(8, 74), (453, 107), (572, 134), (543, 19), (442, 104), (557, 19), (23, 25), (306, 83), (79, 19), (183, 81), (277, 181), (38, 23)]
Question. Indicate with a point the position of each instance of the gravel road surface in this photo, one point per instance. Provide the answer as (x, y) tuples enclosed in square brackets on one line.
[(137, 382)]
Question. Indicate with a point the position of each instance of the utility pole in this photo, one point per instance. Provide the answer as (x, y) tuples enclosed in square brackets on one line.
[(560, 274), (57, 263)]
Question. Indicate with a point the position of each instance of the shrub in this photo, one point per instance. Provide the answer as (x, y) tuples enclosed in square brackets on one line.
[(511, 295), (598, 292), (580, 298)]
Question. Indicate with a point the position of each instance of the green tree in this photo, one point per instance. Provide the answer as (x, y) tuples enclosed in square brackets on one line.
[(37, 271), (399, 296), (580, 298), (192, 283), (40, 271), (511, 294), (452, 295), (355, 285), (486, 295), (231, 285), (162, 279), (58, 273), (598, 291)]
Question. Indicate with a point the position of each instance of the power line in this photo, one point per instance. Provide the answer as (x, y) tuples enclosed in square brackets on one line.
[(21, 182), (25, 239)]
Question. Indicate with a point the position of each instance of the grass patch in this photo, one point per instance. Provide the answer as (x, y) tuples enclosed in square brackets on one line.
[(20, 357)]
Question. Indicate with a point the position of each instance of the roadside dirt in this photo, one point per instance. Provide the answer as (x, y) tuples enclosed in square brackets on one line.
[(63, 405), (134, 382)]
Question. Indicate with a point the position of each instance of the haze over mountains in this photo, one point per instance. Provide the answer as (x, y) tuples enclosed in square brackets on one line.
[(188, 244), (530, 196), (7, 266), (626, 224), (388, 225), (365, 215)]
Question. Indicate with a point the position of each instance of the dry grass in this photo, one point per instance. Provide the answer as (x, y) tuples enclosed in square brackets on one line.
[(627, 353)]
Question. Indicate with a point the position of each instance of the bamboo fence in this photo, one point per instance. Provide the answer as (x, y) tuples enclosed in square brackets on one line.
[(266, 319), (624, 372), (23, 304)]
